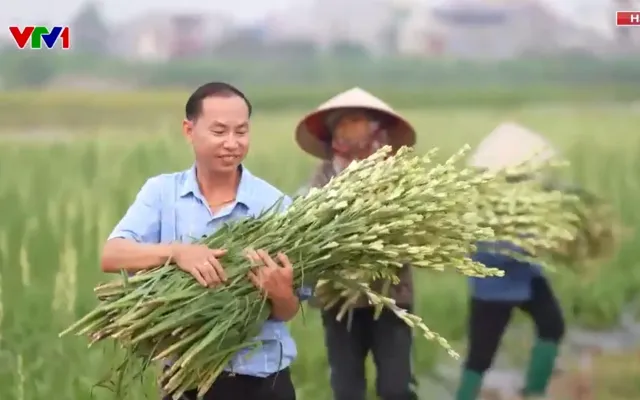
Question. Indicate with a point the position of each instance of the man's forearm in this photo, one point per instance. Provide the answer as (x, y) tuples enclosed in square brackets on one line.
[(285, 308), (126, 254)]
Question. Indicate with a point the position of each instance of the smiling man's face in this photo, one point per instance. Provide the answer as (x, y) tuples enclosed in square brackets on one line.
[(220, 133)]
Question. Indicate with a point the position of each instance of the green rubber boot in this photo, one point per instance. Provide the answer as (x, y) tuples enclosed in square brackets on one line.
[(470, 385), (541, 365)]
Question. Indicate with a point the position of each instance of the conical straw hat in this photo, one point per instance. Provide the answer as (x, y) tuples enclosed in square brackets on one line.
[(511, 145), (313, 134)]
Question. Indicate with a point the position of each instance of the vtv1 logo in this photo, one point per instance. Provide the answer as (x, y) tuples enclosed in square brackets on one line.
[(37, 35)]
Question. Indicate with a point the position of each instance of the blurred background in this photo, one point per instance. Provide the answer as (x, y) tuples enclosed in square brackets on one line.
[(318, 44), (82, 129)]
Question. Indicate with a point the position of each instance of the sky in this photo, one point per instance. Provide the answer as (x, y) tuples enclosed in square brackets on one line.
[(22, 12), (31, 12)]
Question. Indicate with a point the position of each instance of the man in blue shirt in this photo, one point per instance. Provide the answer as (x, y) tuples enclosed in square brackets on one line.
[(171, 209), (523, 285)]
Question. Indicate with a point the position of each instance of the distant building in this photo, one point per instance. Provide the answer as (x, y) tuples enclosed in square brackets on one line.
[(484, 30), (329, 22), (159, 37), (296, 23), (627, 38)]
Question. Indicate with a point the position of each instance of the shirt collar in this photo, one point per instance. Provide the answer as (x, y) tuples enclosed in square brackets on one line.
[(245, 194)]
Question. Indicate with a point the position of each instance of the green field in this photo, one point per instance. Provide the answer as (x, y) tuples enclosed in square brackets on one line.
[(61, 195)]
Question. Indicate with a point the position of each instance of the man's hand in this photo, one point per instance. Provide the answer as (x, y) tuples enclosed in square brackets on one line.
[(275, 280), (201, 262)]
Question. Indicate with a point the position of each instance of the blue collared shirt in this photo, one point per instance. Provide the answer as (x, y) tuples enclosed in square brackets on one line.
[(515, 285), (170, 208)]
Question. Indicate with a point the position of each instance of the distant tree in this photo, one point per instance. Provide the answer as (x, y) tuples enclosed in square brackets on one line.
[(391, 32), (89, 30), (27, 68), (242, 44), (294, 49), (349, 50)]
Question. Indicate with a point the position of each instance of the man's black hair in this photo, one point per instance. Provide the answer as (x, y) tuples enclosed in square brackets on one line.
[(193, 108)]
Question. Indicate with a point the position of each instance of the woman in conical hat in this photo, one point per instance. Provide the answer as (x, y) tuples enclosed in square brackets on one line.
[(523, 286), (351, 126), (315, 133)]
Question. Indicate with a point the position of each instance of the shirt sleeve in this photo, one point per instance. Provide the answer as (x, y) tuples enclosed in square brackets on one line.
[(304, 293), (286, 202), (141, 222)]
